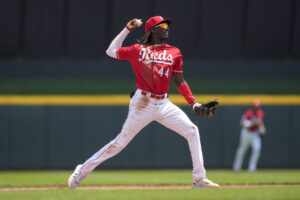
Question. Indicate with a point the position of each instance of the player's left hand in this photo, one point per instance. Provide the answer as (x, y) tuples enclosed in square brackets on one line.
[(262, 129), (205, 109), (134, 24)]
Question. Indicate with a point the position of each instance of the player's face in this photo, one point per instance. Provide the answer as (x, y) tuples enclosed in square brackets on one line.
[(162, 31)]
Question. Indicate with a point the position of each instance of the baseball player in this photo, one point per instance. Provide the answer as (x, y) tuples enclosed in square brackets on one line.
[(154, 62), (252, 127)]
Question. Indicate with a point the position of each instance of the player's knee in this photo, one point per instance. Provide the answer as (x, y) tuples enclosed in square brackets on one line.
[(192, 132), (195, 129), (257, 149)]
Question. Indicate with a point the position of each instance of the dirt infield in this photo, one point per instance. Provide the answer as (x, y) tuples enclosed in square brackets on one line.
[(139, 187)]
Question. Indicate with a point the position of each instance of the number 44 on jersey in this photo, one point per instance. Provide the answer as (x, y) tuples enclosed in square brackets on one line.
[(161, 72)]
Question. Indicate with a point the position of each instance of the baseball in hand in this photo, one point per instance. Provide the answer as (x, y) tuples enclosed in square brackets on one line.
[(133, 24), (138, 22)]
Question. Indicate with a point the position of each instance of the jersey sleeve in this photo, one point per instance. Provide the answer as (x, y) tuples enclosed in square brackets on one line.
[(248, 114), (124, 53), (178, 63), (261, 114)]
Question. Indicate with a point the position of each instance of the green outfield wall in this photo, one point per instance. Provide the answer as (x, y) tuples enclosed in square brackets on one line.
[(41, 136)]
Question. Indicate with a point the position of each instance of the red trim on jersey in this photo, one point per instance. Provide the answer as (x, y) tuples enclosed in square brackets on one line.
[(186, 92)]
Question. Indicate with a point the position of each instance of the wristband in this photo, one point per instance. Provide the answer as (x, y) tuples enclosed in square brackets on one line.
[(186, 93)]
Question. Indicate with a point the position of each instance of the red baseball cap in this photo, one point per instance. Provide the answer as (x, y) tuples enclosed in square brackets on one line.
[(256, 103), (153, 21)]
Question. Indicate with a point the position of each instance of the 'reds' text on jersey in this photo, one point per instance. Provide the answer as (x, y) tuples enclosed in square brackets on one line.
[(152, 65)]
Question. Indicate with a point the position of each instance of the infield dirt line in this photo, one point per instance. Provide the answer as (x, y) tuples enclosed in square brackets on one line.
[(138, 187)]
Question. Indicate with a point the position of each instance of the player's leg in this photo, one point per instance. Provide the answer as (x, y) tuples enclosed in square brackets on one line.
[(139, 115), (245, 141), (135, 121), (175, 119), (256, 148), (130, 129)]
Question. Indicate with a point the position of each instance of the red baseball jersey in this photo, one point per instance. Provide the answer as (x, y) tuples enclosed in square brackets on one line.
[(250, 115), (152, 65)]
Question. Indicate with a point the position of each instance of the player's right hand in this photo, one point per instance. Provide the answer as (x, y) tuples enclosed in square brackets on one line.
[(133, 24)]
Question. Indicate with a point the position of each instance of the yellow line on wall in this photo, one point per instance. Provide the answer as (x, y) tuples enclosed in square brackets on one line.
[(248, 99), (104, 100), (65, 100)]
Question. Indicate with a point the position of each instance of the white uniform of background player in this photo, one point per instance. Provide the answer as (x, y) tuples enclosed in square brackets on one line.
[(252, 126), (153, 63)]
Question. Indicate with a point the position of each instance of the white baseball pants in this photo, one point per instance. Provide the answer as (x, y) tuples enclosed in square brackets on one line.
[(247, 138), (142, 111)]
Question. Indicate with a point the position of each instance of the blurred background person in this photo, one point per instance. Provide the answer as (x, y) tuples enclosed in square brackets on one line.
[(252, 127)]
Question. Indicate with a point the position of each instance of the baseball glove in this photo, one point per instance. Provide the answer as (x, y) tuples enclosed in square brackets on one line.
[(205, 109)]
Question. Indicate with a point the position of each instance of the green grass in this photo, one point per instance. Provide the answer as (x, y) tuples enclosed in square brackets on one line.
[(291, 193), (147, 177), (153, 177), (124, 86)]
